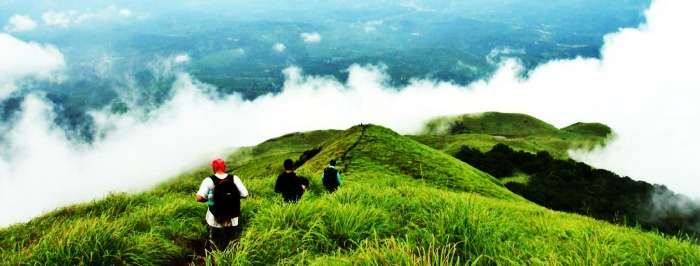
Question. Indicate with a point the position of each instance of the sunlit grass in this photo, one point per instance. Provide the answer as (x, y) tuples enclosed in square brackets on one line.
[(403, 203)]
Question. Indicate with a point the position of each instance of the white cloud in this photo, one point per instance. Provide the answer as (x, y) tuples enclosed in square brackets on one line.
[(496, 55), (181, 59), (69, 18), (20, 23), (108, 13), (279, 47), (465, 67), (645, 86), (20, 59), (311, 37), (167, 67), (57, 19)]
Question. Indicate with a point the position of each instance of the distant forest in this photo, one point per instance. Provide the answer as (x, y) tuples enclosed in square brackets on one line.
[(571, 186)]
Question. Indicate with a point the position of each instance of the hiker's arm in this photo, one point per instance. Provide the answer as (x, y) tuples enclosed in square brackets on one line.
[(278, 188), (241, 187), (304, 182), (203, 192)]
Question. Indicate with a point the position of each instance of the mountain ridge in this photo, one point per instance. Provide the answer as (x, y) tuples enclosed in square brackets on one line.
[(402, 202)]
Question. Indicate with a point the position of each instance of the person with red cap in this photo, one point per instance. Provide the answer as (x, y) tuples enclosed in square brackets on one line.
[(223, 193)]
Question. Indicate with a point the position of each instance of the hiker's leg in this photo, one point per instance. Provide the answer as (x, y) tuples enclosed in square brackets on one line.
[(237, 232), (211, 244), (290, 199), (331, 188), (228, 236), (218, 238), (238, 229), (208, 245)]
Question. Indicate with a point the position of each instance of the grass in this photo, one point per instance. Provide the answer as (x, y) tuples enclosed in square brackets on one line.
[(264, 159), (519, 131), (490, 123), (521, 178), (402, 203), (591, 129)]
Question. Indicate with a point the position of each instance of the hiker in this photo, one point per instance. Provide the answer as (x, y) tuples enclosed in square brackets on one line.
[(223, 193), (290, 185), (331, 177)]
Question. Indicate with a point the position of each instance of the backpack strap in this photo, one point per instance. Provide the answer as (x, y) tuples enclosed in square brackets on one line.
[(216, 180)]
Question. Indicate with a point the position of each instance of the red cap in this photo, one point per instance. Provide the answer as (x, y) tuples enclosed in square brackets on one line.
[(218, 165)]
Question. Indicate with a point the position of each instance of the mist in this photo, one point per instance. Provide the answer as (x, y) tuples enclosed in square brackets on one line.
[(645, 86), (21, 60)]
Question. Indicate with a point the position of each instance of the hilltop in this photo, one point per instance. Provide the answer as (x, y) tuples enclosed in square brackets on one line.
[(519, 131), (403, 202), (530, 157)]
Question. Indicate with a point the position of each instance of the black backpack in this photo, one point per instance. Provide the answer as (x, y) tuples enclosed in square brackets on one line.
[(227, 199), (330, 177)]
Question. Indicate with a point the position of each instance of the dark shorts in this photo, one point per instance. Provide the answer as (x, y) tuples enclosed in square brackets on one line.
[(221, 237), (331, 187)]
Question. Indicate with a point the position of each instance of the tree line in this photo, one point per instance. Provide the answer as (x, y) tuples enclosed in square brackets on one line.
[(571, 186)]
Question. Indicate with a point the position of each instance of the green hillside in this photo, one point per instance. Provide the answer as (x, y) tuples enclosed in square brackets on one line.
[(590, 129), (490, 123), (402, 203), (520, 131)]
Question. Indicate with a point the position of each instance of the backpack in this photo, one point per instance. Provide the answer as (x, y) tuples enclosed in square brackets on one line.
[(227, 199), (330, 177)]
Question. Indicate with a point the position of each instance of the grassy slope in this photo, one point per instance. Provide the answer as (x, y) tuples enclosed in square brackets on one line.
[(520, 177), (519, 131), (264, 159), (402, 202), (491, 123), (591, 129)]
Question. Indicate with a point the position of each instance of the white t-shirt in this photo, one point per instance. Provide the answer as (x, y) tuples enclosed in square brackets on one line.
[(207, 185)]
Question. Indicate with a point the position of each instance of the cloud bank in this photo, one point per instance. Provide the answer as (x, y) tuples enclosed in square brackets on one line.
[(20, 60), (69, 18), (20, 23), (645, 85)]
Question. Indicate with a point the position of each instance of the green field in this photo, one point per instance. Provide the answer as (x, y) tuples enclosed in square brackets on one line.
[(402, 202)]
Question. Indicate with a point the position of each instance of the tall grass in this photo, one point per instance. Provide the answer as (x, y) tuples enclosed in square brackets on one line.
[(384, 214), (413, 224)]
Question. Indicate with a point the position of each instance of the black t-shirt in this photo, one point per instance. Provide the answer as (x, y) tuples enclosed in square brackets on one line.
[(289, 185)]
